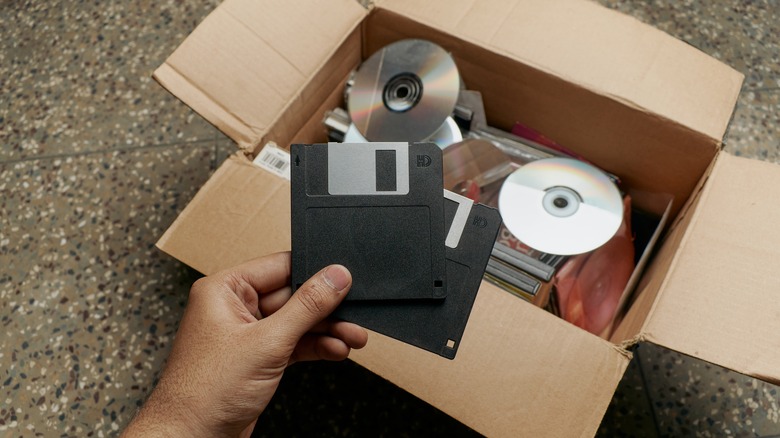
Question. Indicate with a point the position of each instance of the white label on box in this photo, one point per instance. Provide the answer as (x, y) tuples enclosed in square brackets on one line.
[(274, 160)]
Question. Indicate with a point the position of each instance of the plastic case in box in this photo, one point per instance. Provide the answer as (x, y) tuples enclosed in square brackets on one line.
[(633, 100)]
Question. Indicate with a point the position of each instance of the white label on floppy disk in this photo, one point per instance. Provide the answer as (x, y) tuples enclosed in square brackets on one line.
[(274, 160), (460, 219), (368, 168)]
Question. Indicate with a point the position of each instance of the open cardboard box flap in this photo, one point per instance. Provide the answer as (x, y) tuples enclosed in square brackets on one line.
[(720, 300), (219, 227), (249, 61), (277, 47), (602, 50), (250, 66)]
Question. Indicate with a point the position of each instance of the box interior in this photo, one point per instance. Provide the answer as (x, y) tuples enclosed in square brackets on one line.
[(659, 159)]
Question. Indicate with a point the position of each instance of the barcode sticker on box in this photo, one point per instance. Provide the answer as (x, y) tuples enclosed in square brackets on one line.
[(274, 160)]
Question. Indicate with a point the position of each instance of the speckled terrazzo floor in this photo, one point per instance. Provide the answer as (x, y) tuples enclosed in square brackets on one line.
[(96, 160)]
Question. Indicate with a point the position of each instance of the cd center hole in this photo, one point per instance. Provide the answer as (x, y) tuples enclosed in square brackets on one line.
[(560, 202), (402, 92)]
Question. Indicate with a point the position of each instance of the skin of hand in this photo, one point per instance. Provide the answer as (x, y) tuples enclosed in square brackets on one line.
[(242, 327)]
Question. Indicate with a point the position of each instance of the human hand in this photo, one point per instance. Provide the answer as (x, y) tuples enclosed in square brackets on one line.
[(242, 327)]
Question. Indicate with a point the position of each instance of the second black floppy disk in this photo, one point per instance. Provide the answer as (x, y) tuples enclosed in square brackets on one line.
[(376, 208), (438, 325)]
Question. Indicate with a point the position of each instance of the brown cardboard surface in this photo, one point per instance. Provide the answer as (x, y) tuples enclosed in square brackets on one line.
[(721, 298), (629, 328), (247, 61), (635, 101), (520, 371), (241, 213), (650, 154), (301, 120), (597, 48)]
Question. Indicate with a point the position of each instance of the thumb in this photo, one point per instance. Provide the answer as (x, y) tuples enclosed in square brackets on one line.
[(313, 302)]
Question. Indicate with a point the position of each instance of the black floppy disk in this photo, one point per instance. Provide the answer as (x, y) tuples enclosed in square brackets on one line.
[(375, 208), (438, 325)]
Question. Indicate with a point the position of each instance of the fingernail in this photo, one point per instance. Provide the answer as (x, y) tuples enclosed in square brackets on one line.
[(336, 276)]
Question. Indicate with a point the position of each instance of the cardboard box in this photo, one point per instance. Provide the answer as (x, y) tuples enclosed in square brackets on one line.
[(633, 100)]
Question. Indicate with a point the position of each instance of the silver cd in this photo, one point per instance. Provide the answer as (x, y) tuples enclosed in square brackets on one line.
[(447, 134), (561, 206), (404, 92)]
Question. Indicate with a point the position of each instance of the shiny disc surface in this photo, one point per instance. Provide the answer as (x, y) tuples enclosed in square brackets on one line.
[(404, 92), (561, 206)]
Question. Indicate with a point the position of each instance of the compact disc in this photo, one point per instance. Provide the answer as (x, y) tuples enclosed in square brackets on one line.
[(404, 92), (561, 206), (447, 134)]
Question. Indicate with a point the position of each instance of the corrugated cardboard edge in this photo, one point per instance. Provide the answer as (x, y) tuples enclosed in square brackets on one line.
[(732, 316), (645, 334), (197, 99), (628, 331), (247, 137), (193, 241), (563, 367), (451, 17), (632, 330)]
